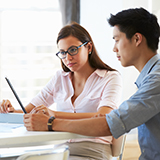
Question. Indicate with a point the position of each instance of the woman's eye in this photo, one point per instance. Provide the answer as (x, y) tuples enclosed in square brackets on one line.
[(63, 53), (72, 50)]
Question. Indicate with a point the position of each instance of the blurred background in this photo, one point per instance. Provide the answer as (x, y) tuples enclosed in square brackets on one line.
[(28, 32)]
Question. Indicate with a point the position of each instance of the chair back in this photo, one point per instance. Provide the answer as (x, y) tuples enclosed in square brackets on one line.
[(59, 153), (118, 146)]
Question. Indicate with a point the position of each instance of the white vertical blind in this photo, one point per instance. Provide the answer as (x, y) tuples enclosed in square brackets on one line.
[(28, 32)]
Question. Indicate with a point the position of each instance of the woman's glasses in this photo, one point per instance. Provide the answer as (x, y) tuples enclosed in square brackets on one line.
[(73, 50)]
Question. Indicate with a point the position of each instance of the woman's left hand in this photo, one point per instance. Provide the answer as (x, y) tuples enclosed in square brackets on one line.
[(36, 122), (99, 115), (42, 109)]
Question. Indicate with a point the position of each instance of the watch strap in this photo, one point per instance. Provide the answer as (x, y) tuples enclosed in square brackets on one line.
[(50, 122)]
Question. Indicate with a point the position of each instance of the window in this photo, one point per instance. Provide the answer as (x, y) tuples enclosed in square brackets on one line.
[(28, 32)]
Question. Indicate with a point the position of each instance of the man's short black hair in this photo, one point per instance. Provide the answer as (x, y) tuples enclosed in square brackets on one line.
[(138, 20)]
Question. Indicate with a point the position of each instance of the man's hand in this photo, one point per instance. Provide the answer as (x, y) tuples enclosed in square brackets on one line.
[(36, 122)]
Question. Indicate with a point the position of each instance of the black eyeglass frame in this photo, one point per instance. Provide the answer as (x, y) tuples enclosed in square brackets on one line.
[(65, 52)]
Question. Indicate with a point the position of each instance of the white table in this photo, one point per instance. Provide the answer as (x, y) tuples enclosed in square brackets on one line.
[(22, 138), (15, 137), (20, 141)]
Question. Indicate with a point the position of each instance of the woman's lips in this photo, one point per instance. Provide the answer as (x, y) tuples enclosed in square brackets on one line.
[(70, 64)]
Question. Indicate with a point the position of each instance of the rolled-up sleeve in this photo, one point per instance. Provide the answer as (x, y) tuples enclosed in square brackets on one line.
[(140, 108), (116, 126)]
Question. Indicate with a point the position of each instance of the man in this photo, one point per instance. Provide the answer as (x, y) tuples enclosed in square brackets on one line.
[(136, 34)]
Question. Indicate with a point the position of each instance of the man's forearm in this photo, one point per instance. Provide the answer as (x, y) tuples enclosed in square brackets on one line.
[(89, 127)]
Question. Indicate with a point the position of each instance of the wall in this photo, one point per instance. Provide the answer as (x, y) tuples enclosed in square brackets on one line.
[(94, 16)]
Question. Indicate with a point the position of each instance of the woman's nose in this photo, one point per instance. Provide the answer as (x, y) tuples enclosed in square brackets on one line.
[(68, 56)]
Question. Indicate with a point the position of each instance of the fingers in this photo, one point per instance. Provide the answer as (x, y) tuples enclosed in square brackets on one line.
[(35, 110), (99, 115), (5, 106), (35, 122), (43, 111), (40, 109), (27, 120)]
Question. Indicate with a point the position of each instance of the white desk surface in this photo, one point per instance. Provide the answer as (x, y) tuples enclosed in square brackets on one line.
[(20, 137)]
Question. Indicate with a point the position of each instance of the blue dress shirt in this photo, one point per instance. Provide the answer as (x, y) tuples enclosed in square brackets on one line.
[(142, 110)]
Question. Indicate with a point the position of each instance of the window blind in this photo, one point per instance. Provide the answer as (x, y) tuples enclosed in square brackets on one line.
[(28, 33)]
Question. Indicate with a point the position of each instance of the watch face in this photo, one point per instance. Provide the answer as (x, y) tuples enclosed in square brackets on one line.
[(52, 118)]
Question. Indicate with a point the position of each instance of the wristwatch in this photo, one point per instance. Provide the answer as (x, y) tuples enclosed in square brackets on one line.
[(50, 122)]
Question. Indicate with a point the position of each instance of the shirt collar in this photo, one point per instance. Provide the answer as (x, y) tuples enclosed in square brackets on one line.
[(99, 72), (147, 68), (65, 73)]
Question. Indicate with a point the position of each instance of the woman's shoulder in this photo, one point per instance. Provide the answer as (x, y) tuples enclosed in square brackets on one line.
[(114, 73), (105, 72), (58, 76), (61, 73)]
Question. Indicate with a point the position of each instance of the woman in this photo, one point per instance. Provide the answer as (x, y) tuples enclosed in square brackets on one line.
[(84, 88)]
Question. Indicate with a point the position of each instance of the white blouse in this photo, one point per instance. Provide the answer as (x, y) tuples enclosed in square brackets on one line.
[(102, 88)]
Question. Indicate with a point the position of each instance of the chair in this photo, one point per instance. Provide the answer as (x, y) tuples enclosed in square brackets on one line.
[(58, 153), (117, 147)]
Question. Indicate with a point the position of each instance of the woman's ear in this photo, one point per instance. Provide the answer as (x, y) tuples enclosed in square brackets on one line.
[(138, 38), (89, 47)]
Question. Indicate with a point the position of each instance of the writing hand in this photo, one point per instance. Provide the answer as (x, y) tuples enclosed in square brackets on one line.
[(6, 106)]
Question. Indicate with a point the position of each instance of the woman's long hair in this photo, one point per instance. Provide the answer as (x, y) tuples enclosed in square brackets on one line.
[(77, 31)]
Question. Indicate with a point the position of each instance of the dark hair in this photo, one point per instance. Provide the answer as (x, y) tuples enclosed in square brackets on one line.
[(77, 31), (138, 20)]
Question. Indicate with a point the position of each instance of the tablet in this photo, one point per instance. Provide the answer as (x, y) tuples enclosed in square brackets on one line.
[(14, 92)]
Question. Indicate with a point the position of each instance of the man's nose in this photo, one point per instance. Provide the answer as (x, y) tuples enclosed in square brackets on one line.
[(115, 49)]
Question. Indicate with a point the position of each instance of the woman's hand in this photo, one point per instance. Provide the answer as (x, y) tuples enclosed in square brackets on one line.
[(36, 122), (43, 109), (99, 115), (6, 106)]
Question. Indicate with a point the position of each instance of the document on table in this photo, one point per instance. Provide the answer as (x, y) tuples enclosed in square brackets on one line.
[(8, 127), (10, 121)]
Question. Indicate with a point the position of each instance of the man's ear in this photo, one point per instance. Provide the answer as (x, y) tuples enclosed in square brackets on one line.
[(138, 38)]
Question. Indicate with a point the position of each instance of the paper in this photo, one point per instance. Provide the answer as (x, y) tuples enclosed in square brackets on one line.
[(7, 128), (16, 118)]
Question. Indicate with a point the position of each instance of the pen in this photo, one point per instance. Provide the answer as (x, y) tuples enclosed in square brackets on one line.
[(9, 83)]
